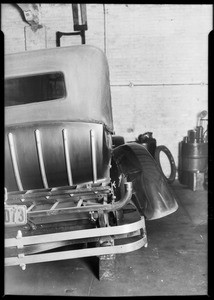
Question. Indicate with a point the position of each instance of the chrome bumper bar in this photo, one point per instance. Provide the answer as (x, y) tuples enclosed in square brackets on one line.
[(20, 242)]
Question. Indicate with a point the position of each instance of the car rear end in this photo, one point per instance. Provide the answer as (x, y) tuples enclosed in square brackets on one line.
[(58, 149)]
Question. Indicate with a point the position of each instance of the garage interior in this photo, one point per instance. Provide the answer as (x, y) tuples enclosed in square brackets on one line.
[(158, 64)]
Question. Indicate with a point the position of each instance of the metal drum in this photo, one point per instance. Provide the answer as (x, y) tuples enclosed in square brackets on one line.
[(194, 157)]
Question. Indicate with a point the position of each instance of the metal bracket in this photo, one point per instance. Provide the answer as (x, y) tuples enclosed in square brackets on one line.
[(106, 241), (59, 34), (19, 239), (32, 14), (22, 265), (80, 23)]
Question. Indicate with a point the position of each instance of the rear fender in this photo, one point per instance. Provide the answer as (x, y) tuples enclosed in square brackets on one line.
[(152, 195)]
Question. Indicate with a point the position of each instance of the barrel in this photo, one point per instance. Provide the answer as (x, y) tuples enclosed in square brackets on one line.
[(194, 157)]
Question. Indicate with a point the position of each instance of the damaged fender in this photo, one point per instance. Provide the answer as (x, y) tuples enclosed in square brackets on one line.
[(153, 196)]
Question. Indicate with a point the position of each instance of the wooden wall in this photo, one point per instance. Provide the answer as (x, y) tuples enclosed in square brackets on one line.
[(158, 60)]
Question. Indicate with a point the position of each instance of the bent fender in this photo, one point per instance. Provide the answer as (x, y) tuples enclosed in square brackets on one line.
[(153, 196)]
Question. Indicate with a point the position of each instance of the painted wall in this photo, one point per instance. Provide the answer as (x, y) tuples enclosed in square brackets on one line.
[(158, 59)]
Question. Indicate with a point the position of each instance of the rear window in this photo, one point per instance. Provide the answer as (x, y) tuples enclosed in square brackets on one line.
[(34, 88)]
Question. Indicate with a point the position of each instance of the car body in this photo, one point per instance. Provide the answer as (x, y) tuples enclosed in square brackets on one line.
[(64, 176)]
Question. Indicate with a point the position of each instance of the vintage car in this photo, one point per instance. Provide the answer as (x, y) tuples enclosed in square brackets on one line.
[(72, 187)]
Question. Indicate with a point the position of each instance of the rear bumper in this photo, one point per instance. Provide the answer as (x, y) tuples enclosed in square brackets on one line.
[(28, 249), (121, 233)]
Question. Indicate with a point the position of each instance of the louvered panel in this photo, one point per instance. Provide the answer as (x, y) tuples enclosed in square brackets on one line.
[(46, 157)]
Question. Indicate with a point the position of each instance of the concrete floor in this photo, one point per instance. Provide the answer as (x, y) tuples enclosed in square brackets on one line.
[(174, 263)]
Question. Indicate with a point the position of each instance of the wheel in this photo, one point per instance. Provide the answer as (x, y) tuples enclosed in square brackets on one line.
[(164, 149)]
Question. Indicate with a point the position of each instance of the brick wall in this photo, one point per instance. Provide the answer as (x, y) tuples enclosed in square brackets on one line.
[(158, 60)]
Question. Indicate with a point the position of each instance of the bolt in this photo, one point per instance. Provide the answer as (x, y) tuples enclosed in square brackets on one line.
[(19, 234), (92, 216), (23, 266)]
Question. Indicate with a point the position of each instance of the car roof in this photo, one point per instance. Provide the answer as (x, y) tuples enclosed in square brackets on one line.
[(86, 74)]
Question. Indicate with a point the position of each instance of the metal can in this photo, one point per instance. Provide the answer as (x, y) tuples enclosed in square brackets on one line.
[(194, 157)]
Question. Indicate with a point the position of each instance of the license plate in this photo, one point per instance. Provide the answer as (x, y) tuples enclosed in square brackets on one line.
[(15, 215)]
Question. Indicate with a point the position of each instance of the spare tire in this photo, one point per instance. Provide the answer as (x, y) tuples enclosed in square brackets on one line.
[(164, 149)]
